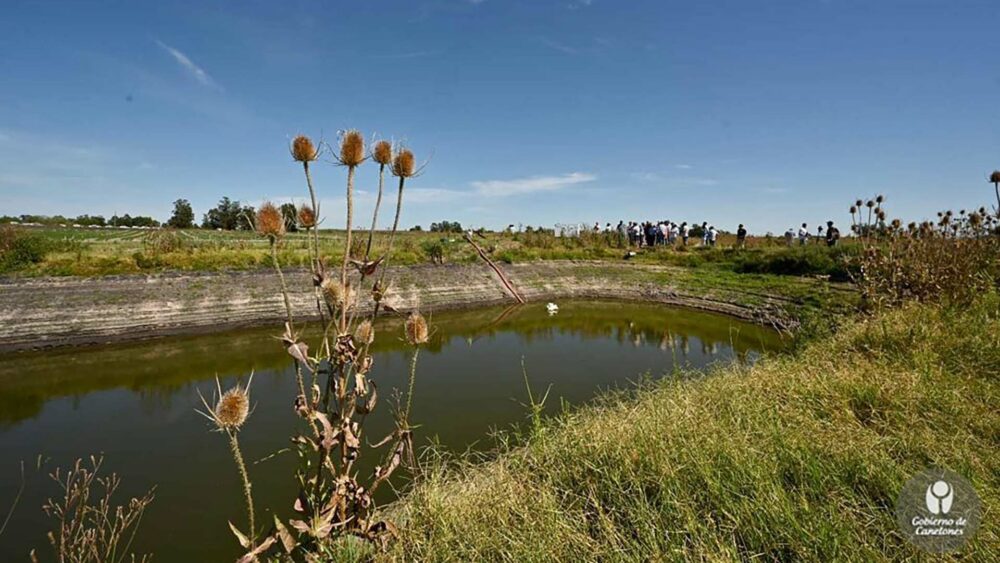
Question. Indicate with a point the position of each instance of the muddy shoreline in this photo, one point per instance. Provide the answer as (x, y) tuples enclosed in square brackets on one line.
[(40, 313)]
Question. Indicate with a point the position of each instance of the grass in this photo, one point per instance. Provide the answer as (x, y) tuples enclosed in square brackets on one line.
[(796, 458), (96, 252)]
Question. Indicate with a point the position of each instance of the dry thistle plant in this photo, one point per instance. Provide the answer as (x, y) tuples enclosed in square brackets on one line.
[(227, 416), (334, 500), (950, 260)]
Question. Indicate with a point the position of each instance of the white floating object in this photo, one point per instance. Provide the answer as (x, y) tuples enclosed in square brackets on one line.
[(552, 308)]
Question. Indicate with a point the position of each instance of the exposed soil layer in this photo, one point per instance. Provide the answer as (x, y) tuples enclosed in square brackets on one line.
[(47, 312)]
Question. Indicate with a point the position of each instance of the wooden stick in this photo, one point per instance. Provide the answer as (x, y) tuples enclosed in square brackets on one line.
[(503, 278)]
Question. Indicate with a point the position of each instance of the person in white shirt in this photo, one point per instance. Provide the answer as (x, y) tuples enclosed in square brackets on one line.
[(713, 235), (803, 234)]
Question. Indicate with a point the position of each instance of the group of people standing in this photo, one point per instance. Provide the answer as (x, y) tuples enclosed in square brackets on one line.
[(667, 233), (659, 233), (803, 235)]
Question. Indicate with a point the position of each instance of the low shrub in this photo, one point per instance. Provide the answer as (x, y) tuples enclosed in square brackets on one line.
[(796, 261), (19, 249)]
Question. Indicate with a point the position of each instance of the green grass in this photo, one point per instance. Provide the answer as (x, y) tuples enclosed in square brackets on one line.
[(97, 252), (799, 457)]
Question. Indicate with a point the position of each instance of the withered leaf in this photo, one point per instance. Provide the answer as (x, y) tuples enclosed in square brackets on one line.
[(287, 541), (251, 556), (300, 351), (240, 537)]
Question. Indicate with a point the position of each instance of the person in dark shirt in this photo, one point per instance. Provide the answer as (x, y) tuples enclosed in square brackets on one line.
[(741, 237), (832, 234)]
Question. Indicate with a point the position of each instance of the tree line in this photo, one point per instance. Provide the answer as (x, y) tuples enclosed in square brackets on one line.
[(125, 220)]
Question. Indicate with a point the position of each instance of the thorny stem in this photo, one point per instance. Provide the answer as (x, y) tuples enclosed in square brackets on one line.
[(378, 202), (315, 206), (281, 278), (392, 237), (234, 444), (409, 393), (316, 264), (347, 247), (288, 311)]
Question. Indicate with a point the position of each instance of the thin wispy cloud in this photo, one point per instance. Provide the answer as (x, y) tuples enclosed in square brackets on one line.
[(185, 61), (534, 184), (562, 48), (676, 181), (683, 166), (407, 55)]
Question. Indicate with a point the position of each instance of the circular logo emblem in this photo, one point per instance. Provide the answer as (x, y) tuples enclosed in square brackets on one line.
[(938, 510)]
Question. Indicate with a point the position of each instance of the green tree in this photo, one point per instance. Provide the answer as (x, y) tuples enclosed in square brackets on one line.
[(229, 215), (290, 214), (183, 217)]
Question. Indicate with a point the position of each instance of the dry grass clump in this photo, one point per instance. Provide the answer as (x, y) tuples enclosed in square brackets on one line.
[(92, 529), (794, 459)]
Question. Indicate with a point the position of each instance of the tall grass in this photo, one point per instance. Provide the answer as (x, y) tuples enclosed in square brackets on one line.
[(795, 458)]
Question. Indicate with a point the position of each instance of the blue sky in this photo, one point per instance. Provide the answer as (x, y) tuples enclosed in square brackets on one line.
[(767, 113)]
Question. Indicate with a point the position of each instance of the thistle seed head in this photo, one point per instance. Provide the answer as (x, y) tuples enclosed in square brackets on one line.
[(352, 148), (403, 166), (879, 199), (336, 294), (365, 333), (307, 217), (303, 149), (854, 209), (233, 408), (995, 177), (869, 204), (270, 221), (858, 203), (382, 153), (416, 329)]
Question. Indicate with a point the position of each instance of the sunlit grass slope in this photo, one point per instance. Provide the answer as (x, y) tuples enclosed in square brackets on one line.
[(798, 458)]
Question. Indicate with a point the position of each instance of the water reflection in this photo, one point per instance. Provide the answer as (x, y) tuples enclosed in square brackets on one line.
[(136, 402)]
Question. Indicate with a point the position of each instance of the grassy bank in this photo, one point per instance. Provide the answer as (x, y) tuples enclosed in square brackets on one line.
[(797, 458), (54, 251)]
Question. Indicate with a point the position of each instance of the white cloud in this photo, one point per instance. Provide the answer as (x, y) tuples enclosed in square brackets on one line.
[(199, 73), (534, 184), (683, 166)]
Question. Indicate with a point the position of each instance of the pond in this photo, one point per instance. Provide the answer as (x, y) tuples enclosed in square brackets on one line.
[(135, 405)]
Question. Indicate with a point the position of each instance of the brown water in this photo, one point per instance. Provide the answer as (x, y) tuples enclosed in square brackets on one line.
[(135, 405)]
